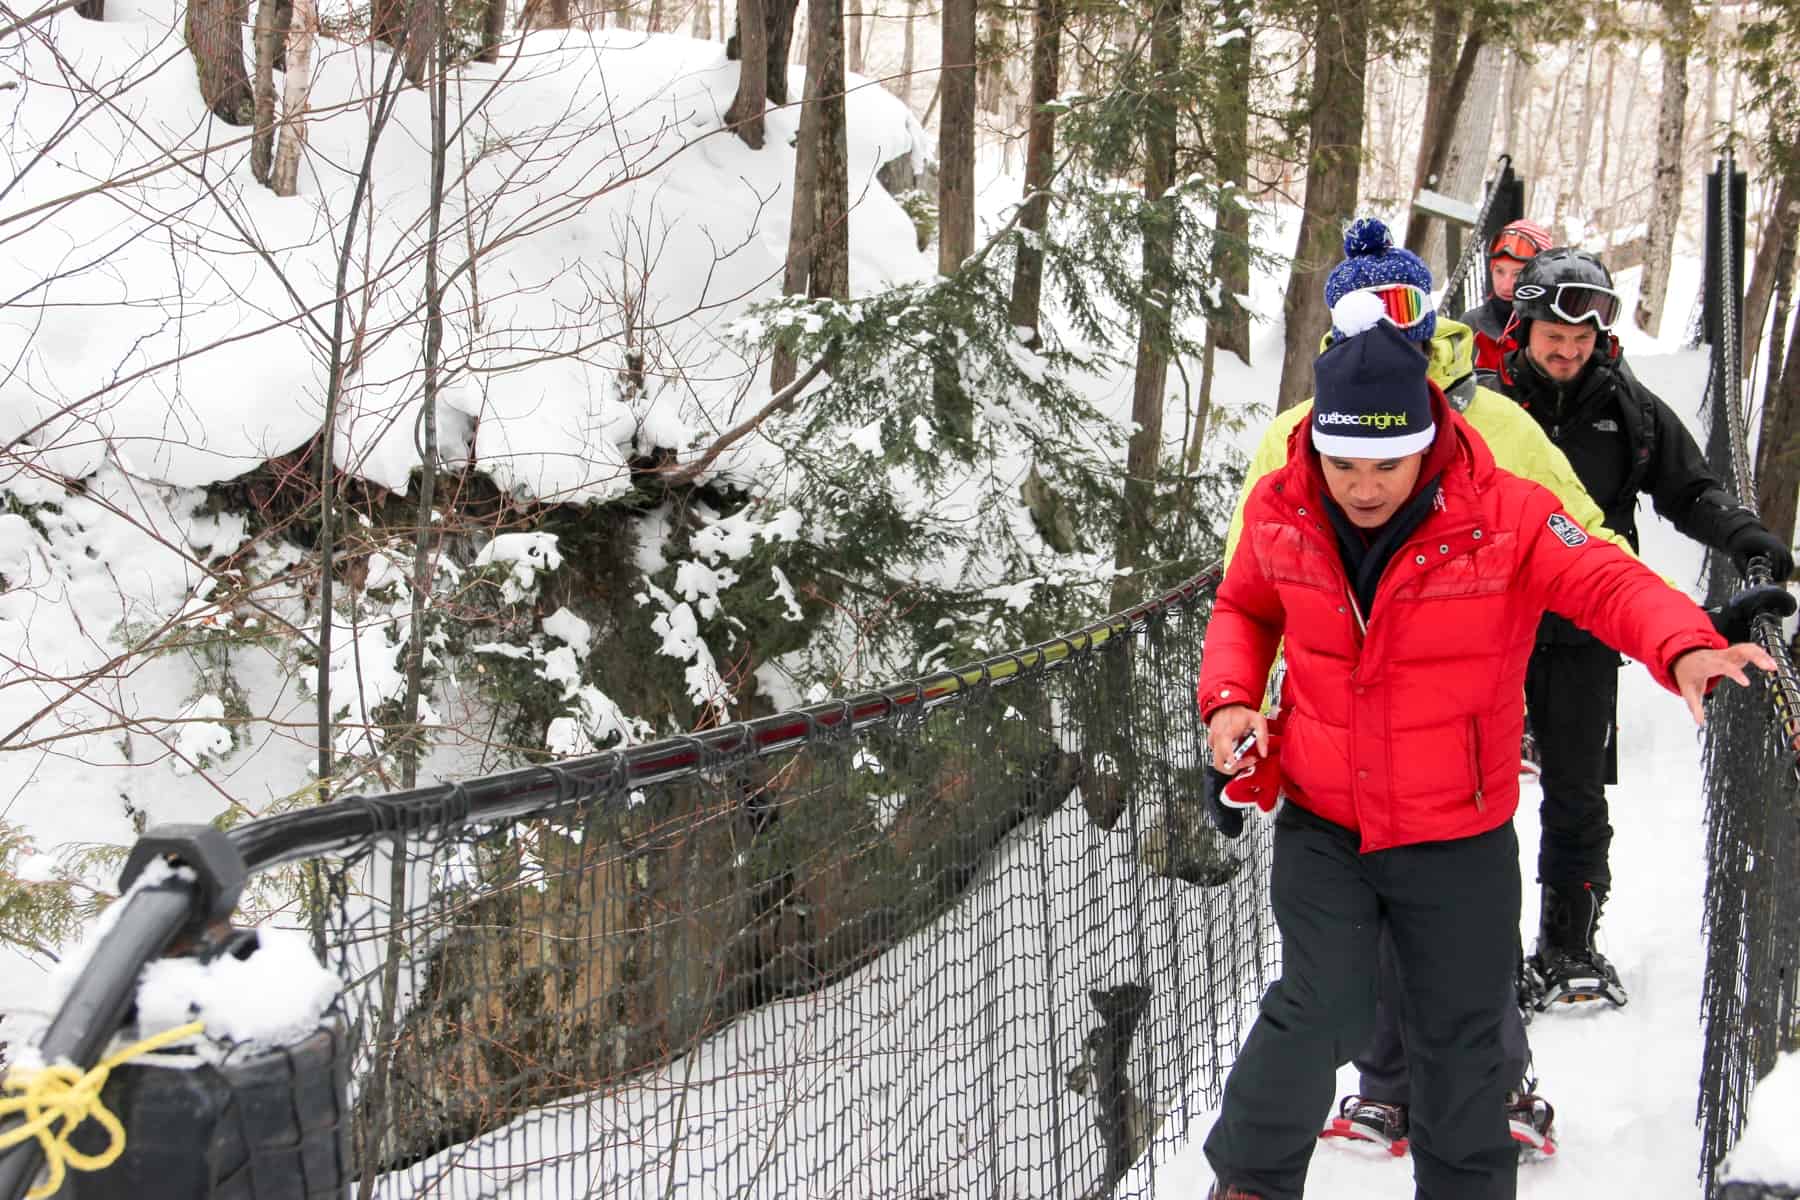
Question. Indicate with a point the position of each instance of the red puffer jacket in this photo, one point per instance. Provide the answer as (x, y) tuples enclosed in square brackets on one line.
[(1409, 731)]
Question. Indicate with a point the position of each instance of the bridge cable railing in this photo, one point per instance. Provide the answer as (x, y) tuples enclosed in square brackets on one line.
[(1752, 917), (967, 934)]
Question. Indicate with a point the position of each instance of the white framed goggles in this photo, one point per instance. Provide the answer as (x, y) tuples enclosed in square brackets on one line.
[(1574, 303)]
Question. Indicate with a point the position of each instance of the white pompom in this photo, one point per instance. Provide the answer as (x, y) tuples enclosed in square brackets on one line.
[(1356, 311)]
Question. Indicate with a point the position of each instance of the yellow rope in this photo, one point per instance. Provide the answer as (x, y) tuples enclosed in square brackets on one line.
[(64, 1092)]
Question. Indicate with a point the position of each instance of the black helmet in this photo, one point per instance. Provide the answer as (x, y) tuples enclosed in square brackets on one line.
[(1566, 286)]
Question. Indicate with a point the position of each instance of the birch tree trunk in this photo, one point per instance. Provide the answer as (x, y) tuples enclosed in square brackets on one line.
[(1665, 203), (1040, 162), (294, 97), (752, 100), (1333, 172), (215, 34), (1143, 451), (956, 138)]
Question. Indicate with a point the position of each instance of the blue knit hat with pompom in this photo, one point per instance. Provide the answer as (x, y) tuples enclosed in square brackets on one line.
[(1371, 258)]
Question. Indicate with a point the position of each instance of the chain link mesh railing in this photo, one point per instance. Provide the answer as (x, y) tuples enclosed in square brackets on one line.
[(1753, 835), (970, 935)]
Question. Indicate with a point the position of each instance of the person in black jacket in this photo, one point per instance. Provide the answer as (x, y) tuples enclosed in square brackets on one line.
[(1623, 442)]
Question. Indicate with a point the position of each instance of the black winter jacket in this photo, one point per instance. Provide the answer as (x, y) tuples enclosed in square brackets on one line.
[(1623, 442)]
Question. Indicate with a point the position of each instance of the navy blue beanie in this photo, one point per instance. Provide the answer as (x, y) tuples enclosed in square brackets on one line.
[(1370, 259), (1370, 397)]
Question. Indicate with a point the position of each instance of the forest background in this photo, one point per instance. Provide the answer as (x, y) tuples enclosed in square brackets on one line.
[(412, 391)]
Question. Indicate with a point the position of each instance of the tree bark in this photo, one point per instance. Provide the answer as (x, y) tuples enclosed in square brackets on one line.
[(93, 10), (1665, 204), (1443, 135), (1143, 451), (853, 36), (1333, 171), (956, 138), (803, 218), (1779, 481), (268, 38), (294, 97), (1440, 64), (493, 29), (1231, 164), (779, 17), (1777, 239), (909, 54), (746, 112), (1025, 310), (215, 34), (831, 235)]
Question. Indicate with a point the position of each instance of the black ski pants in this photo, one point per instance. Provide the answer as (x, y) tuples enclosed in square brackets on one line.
[(1385, 1074), (1571, 695), (1453, 911)]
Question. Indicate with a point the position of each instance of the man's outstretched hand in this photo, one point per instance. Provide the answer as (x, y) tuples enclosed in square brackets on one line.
[(1696, 669)]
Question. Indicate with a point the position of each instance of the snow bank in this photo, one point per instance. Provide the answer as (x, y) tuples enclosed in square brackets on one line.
[(1768, 1151), (181, 321)]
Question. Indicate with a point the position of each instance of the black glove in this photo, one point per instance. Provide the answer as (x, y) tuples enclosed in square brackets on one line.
[(1732, 619), (1228, 819), (1753, 541)]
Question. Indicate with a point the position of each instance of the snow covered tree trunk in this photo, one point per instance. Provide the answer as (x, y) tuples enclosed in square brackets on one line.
[(215, 34), (1333, 173), (1040, 161), (956, 138), (294, 97), (1665, 196), (1143, 451), (268, 39), (1231, 157), (746, 112)]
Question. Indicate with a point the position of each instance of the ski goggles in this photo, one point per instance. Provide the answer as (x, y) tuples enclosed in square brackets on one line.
[(1406, 304), (1514, 244), (1574, 303)]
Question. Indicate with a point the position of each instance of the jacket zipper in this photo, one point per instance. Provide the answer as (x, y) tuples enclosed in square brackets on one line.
[(1475, 761)]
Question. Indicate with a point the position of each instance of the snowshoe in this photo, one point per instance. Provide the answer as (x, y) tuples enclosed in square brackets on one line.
[(1533, 1124), (1363, 1120), (1563, 978)]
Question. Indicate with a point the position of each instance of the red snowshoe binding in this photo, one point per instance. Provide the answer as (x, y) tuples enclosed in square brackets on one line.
[(1533, 1123), (1364, 1120)]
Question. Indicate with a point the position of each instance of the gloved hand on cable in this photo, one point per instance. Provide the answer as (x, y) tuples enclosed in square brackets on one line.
[(1753, 541), (1733, 618)]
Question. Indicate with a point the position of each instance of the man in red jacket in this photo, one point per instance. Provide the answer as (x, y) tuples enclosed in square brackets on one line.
[(1407, 575)]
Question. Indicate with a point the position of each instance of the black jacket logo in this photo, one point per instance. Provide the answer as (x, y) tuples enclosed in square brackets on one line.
[(1572, 535)]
